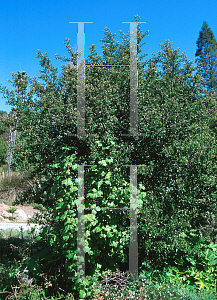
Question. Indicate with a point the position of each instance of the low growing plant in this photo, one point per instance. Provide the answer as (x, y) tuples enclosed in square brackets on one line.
[(12, 210), (37, 206), (197, 264)]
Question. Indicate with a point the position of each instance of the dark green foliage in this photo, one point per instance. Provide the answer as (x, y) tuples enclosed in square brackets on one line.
[(2, 112), (178, 169), (196, 261), (20, 162), (207, 57), (3, 151)]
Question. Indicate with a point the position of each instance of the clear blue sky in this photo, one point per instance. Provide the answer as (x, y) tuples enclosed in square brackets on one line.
[(28, 25)]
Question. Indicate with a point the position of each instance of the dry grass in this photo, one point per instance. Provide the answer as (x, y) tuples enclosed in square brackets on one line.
[(12, 186)]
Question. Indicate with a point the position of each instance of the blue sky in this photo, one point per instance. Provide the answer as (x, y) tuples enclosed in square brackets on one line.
[(27, 25)]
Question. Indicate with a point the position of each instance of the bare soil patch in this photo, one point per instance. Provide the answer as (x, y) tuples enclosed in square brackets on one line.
[(29, 210), (8, 195)]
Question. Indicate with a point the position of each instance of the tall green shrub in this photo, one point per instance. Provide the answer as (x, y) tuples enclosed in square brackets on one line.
[(178, 152), (176, 148)]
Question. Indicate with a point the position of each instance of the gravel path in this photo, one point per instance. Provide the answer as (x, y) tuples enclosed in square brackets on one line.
[(25, 226)]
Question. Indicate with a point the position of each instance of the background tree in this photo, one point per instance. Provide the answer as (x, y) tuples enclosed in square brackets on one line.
[(2, 112), (3, 115), (5, 121), (20, 162), (3, 151), (4, 124), (206, 57), (3, 136)]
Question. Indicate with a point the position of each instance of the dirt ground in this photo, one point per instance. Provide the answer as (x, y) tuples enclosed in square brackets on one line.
[(7, 198), (29, 210)]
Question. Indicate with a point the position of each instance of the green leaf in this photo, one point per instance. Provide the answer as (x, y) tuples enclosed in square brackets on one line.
[(70, 255), (54, 188), (67, 182), (108, 182), (38, 238), (82, 294), (55, 165), (108, 175), (109, 160), (103, 163)]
